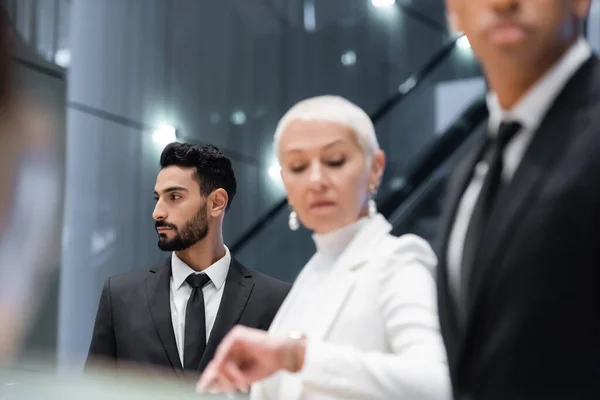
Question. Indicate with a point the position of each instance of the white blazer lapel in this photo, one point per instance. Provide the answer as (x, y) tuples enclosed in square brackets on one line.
[(338, 288), (285, 306), (336, 297), (342, 279)]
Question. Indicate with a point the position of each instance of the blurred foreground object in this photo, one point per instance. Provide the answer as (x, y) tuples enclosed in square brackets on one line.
[(30, 182), (27, 384)]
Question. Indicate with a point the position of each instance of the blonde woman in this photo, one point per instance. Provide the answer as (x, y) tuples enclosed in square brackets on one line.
[(361, 319)]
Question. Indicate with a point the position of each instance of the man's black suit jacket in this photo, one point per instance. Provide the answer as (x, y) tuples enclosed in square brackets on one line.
[(133, 323), (532, 327)]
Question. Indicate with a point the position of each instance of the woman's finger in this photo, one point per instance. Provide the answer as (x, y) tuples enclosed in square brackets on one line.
[(232, 372), (207, 378), (225, 385)]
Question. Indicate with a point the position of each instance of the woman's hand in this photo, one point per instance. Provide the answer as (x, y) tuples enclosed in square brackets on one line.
[(248, 355)]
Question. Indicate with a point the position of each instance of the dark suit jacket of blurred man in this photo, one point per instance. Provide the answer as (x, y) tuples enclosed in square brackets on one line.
[(530, 324)]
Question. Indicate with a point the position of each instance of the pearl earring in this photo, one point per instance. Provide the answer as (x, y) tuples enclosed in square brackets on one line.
[(372, 208), (293, 221), (372, 204)]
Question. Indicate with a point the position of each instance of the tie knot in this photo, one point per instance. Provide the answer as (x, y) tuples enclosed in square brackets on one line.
[(507, 131), (197, 281)]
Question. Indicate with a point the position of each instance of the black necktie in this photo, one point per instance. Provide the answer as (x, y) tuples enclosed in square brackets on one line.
[(195, 323), (485, 202)]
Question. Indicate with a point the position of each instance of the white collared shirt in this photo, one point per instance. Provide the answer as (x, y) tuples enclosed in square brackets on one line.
[(181, 291), (529, 112)]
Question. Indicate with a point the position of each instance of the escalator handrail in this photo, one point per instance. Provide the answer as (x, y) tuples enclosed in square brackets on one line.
[(405, 89), (440, 151)]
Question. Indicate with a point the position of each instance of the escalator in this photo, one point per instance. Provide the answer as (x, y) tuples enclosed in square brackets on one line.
[(421, 143)]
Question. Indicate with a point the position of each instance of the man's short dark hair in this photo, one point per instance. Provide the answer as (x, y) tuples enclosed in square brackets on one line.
[(213, 169)]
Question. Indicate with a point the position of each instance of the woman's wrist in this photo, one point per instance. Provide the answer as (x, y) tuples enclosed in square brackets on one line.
[(293, 352)]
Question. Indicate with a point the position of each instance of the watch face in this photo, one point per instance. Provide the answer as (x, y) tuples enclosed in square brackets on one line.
[(296, 335)]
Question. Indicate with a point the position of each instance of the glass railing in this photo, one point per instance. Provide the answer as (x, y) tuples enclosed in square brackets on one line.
[(410, 126), (418, 207)]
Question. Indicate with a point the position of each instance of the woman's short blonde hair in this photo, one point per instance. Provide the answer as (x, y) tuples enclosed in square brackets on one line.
[(331, 109)]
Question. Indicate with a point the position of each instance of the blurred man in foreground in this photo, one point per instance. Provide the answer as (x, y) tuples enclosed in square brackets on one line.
[(519, 261)]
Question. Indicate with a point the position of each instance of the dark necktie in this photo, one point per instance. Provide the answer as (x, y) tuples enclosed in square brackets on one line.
[(485, 202), (195, 323)]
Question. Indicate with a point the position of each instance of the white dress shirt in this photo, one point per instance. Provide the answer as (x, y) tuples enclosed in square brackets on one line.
[(529, 112), (181, 291), (366, 302)]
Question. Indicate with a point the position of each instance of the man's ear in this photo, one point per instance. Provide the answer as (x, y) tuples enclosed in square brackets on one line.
[(218, 202)]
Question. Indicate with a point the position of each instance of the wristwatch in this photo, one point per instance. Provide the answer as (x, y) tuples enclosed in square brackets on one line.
[(293, 360), (296, 335)]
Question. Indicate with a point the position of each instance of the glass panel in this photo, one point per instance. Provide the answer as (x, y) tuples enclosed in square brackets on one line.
[(433, 10), (593, 25), (405, 134), (421, 213), (46, 23)]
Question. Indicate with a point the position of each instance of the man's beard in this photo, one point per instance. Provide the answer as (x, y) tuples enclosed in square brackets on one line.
[(192, 232)]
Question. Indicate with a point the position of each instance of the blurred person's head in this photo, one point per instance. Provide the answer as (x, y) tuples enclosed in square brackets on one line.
[(331, 163), (518, 39), (10, 321), (8, 137), (193, 190), (30, 210)]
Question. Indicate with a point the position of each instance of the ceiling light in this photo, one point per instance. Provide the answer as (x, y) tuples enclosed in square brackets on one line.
[(238, 118), (348, 58), (310, 19), (164, 134), (275, 171), (63, 58), (383, 3)]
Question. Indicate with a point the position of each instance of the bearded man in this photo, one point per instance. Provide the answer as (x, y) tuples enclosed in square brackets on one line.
[(175, 314)]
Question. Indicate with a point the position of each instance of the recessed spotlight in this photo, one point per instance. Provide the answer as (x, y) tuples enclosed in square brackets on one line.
[(348, 58), (63, 58), (238, 118), (275, 171), (383, 3), (164, 134)]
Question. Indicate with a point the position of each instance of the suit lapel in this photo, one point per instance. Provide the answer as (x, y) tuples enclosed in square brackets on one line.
[(342, 278), (158, 292), (559, 128), (336, 297), (238, 286)]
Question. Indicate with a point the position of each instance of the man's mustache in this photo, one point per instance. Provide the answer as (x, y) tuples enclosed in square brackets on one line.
[(164, 224)]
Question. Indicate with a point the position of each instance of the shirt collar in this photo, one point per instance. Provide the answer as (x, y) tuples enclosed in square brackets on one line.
[(532, 107), (217, 272)]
